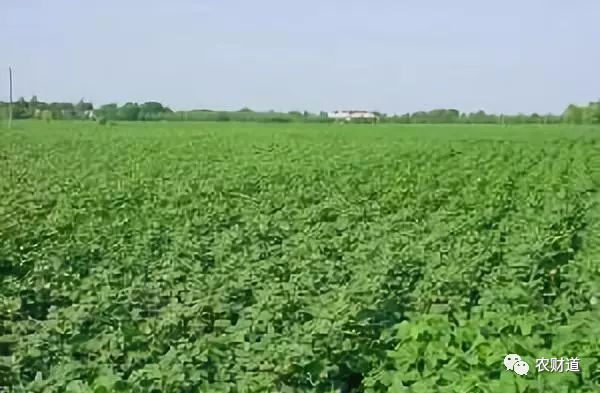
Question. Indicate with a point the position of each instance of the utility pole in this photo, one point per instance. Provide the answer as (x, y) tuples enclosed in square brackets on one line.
[(9, 97)]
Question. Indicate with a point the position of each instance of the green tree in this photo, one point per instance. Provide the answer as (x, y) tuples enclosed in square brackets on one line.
[(405, 118), (591, 113), (152, 107), (443, 116), (573, 114), (62, 110), (418, 117), (152, 111), (33, 105), (3, 110), (129, 111), (20, 109), (223, 116), (480, 117), (108, 111), (82, 107)]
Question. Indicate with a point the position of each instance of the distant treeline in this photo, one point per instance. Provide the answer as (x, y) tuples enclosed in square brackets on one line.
[(246, 114), (34, 108), (152, 111)]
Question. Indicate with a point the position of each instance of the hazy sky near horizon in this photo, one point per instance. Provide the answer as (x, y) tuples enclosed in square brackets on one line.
[(393, 56)]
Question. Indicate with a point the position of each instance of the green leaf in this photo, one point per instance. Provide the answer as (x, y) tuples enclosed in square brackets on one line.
[(222, 323)]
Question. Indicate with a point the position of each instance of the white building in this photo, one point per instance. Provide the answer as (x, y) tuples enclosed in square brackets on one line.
[(352, 115)]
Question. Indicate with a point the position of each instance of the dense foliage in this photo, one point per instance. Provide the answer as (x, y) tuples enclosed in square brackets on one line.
[(221, 257)]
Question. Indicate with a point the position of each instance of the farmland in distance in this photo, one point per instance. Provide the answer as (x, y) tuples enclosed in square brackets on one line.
[(212, 257)]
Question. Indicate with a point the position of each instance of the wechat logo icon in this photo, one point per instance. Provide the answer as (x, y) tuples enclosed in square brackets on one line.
[(513, 362)]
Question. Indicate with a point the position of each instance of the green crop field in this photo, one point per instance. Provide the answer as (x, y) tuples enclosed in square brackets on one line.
[(240, 257)]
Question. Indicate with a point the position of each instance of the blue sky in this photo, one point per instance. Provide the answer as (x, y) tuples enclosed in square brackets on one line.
[(393, 56)]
